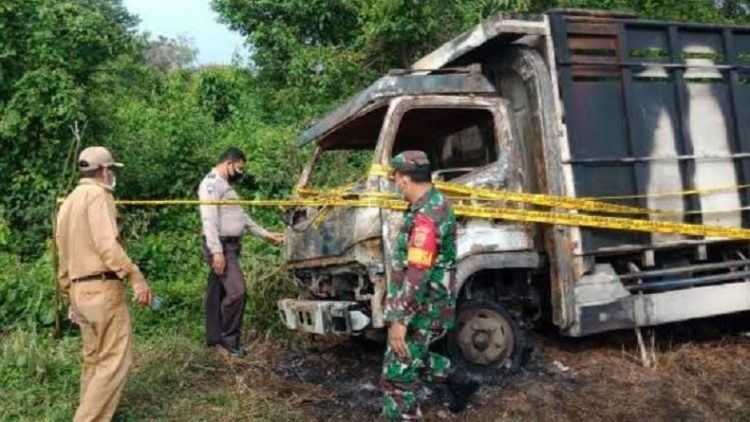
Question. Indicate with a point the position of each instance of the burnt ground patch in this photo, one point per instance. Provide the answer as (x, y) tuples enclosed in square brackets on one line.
[(702, 372)]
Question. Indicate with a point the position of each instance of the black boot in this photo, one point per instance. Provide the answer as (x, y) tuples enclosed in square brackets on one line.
[(462, 386)]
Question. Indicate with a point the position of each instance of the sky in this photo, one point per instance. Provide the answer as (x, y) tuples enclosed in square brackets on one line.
[(193, 19)]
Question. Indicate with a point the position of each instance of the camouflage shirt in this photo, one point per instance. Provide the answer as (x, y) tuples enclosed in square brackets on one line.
[(421, 293)]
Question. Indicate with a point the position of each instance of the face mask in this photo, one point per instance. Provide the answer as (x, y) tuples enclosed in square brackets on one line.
[(235, 176), (399, 183), (112, 177)]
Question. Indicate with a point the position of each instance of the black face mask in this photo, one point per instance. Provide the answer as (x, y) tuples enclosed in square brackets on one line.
[(235, 177)]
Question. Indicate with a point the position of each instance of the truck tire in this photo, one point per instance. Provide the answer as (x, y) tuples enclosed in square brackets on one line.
[(486, 338)]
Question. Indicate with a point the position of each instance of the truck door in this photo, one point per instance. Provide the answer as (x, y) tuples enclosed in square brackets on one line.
[(468, 141)]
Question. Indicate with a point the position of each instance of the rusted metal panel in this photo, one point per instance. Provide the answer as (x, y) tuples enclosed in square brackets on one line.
[(584, 71), (592, 43), (588, 28), (578, 59)]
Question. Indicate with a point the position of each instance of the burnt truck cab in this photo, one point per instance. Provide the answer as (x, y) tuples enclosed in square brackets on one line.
[(340, 258), (572, 104)]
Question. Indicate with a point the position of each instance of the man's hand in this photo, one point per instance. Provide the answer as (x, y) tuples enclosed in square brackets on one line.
[(397, 339), (218, 263), (276, 237), (74, 316), (142, 293)]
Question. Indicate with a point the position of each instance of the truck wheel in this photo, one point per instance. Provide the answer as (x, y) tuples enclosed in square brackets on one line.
[(485, 337)]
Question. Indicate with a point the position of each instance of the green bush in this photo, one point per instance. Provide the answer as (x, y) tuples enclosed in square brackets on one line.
[(27, 291)]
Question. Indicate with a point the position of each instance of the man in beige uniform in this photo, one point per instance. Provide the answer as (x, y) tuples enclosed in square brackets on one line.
[(223, 227), (92, 267)]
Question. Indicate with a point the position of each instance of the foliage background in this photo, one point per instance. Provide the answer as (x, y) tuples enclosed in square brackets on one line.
[(75, 73)]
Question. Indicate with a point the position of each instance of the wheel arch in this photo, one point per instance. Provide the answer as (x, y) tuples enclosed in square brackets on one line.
[(473, 264)]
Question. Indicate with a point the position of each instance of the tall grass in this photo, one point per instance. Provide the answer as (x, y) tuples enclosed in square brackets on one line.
[(39, 375)]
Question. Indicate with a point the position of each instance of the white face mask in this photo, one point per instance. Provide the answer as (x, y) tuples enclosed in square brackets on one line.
[(109, 174), (398, 181)]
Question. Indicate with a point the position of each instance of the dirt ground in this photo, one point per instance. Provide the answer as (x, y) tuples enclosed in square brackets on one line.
[(701, 372)]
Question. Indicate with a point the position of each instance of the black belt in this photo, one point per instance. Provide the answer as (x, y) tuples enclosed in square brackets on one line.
[(229, 239), (109, 275)]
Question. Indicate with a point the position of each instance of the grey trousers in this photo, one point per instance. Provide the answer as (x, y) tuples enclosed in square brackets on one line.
[(225, 297)]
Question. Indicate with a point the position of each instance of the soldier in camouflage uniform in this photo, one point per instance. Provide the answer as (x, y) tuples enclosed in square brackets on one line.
[(420, 302)]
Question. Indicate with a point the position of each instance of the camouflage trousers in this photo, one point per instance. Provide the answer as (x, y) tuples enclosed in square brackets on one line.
[(404, 377)]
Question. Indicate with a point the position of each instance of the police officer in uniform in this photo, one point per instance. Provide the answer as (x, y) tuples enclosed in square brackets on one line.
[(420, 298), (223, 227), (92, 268)]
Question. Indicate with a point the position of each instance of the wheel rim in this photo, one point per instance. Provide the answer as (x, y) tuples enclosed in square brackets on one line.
[(485, 337)]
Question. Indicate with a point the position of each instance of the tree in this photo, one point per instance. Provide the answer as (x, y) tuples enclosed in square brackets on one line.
[(51, 53), (168, 54)]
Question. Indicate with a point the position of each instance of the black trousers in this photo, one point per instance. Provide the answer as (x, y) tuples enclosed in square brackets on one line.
[(225, 297)]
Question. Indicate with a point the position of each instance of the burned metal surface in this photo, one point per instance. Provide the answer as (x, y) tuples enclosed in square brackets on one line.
[(478, 262), (595, 104), (661, 308), (378, 299), (492, 239), (525, 80), (521, 146), (323, 317), (501, 29), (330, 232), (485, 336), (392, 86)]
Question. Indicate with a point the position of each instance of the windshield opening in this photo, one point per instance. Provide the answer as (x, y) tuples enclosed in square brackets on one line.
[(457, 141), (339, 168)]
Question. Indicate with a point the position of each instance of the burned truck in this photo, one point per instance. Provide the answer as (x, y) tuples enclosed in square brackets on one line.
[(572, 103)]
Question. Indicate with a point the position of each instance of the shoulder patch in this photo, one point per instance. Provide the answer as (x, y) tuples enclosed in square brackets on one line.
[(422, 242)]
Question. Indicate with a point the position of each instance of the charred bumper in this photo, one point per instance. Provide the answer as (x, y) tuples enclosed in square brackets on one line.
[(323, 317)]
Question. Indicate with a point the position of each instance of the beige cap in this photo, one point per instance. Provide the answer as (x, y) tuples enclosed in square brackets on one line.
[(92, 158)]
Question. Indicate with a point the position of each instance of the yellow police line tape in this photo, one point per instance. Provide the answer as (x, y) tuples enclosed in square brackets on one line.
[(497, 195), (471, 193), (593, 204), (577, 204), (490, 212), (384, 171), (336, 198)]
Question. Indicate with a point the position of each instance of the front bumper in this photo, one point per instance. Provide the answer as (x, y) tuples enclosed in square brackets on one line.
[(323, 317)]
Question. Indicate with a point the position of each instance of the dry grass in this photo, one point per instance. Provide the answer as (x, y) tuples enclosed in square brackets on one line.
[(178, 380)]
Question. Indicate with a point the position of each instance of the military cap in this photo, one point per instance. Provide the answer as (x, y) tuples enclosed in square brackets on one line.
[(409, 161), (92, 158)]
